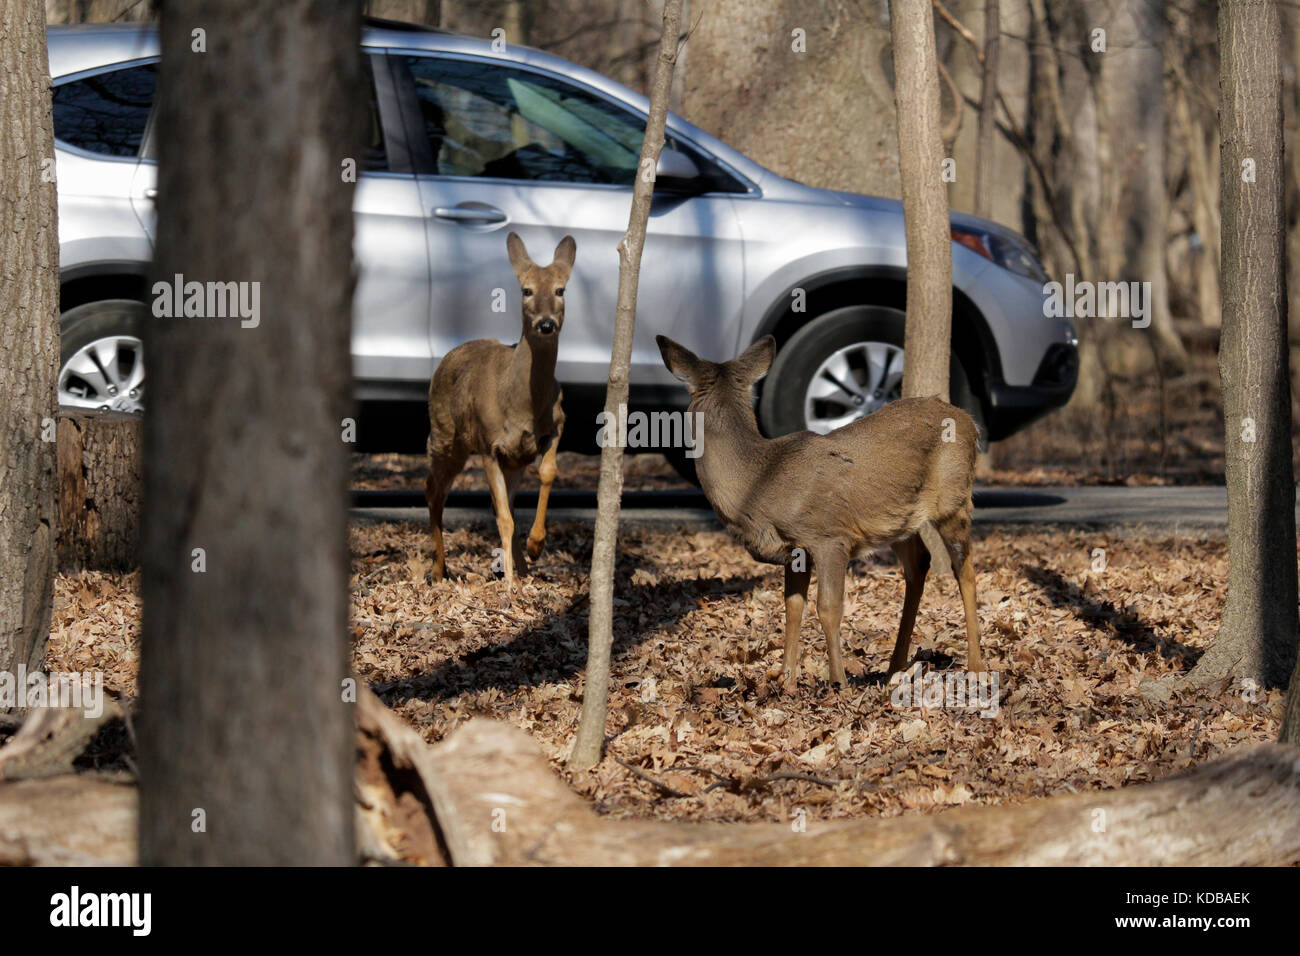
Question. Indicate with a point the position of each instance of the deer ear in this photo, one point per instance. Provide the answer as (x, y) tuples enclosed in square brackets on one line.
[(681, 361), (755, 361), (565, 253), (518, 255)]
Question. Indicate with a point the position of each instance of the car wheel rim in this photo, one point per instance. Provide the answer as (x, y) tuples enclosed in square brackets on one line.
[(106, 375), (853, 382)]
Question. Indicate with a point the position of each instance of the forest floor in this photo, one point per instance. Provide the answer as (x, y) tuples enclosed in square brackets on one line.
[(699, 727)]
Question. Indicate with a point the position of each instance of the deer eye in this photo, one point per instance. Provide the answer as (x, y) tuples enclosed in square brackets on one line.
[(560, 292), (528, 292)]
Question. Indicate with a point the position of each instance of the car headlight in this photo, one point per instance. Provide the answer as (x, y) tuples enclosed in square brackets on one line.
[(1011, 255)]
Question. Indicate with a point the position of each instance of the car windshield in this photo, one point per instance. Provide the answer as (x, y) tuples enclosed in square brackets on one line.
[(578, 123)]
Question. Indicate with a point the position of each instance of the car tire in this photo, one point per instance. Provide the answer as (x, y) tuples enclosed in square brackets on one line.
[(112, 322), (781, 408), (682, 465)]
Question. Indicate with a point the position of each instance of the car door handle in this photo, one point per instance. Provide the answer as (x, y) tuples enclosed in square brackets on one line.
[(151, 193), (470, 214)]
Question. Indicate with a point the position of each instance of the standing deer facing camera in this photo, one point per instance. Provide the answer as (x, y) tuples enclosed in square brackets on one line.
[(873, 482), (502, 402)]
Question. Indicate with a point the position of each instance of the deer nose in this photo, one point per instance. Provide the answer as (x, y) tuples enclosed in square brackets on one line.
[(546, 326)]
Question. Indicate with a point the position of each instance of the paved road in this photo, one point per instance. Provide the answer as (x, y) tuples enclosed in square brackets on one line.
[(1176, 509)]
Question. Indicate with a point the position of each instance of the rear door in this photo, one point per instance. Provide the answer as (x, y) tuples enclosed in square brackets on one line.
[(509, 147), (101, 119), (390, 306)]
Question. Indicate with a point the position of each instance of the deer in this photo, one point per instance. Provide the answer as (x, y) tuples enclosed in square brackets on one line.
[(809, 501), (502, 402)]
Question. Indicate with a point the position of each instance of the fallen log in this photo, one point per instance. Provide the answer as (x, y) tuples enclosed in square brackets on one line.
[(50, 739), (395, 821), (498, 802), (73, 820), (488, 796), (51, 816)]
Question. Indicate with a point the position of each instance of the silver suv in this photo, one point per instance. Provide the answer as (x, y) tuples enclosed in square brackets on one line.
[(467, 142)]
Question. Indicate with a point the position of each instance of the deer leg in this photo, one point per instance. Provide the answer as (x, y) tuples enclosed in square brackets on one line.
[(501, 498), (443, 468), (966, 583), (546, 471), (915, 559), (956, 535), (514, 476), (830, 606), (796, 598)]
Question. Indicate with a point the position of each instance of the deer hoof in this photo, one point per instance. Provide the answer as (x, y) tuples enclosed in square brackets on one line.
[(535, 547)]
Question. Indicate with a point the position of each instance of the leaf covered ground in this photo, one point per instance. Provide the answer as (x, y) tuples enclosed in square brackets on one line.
[(698, 725)]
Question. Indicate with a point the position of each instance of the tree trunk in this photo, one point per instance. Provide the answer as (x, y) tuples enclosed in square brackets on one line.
[(428, 12), (928, 338), (246, 742), (1147, 210), (1204, 211), (1257, 638), (99, 494), (29, 329), (1291, 716), (590, 742), (776, 95), (984, 162)]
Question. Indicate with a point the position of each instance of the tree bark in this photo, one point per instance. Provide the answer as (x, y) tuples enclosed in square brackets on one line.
[(99, 494), (590, 742), (984, 162), (1204, 207), (1147, 209), (246, 741), (780, 97), (99, 11), (1257, 637), (1291, 715), (29, 327), (428, 12), (927, 341)]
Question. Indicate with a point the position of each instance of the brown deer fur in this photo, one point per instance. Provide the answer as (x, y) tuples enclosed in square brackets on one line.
[(502, 402), (872, 483)]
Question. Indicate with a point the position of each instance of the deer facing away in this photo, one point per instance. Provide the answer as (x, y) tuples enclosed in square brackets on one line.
[(872, 483), (502, 402)]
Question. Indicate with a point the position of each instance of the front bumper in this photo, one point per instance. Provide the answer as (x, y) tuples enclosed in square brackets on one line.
[(1012, 407)]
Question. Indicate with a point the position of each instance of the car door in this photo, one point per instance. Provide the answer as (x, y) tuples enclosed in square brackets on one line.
[(510, 147), (101, 121), (390, 306)]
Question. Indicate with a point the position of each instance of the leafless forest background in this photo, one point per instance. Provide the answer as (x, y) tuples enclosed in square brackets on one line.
[(1106, 159)]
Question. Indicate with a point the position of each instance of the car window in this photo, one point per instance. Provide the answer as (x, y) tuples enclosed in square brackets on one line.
[(106, 113), (483, 119), (376, 157)]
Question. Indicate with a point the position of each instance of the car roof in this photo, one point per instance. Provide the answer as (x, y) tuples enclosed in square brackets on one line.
[(73, 49), (85, 46)]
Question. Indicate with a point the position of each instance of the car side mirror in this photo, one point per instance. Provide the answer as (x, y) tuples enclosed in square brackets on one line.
[(677, 172)]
